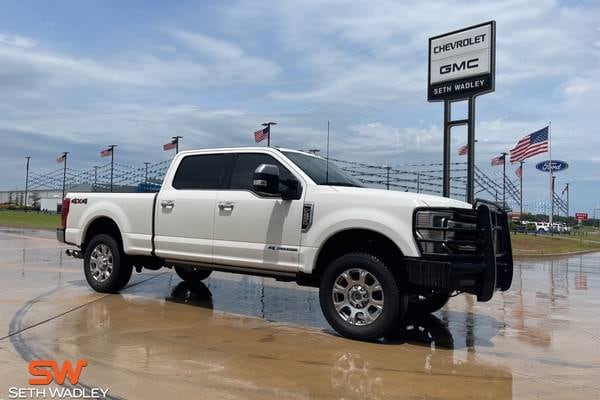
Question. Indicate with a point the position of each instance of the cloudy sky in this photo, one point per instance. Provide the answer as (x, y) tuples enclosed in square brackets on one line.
[(76, 76)]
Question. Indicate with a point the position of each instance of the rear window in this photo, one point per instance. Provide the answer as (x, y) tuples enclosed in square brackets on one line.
[(200, 172)]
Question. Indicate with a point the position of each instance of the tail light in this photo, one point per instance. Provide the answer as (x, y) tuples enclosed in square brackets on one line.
[(65, 212)]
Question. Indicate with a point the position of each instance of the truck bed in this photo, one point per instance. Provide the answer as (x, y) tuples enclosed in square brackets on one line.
[(131, 211)]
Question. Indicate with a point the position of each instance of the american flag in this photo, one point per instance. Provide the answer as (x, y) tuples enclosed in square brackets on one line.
[(463, 150), (530, 145), (261, 134), (106, 152), (519, 172), (498, 160), (564, 190), (170, 146), (61, 158)]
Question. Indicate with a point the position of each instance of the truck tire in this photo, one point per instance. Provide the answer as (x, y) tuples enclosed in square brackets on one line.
[(360, 297), (106, 267), (190, 274), (419, 304)]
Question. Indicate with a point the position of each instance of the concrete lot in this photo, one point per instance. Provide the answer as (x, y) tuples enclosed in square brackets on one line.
[(238, 337)]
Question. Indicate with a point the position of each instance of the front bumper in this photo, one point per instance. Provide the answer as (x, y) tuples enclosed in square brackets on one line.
[(479, 261), (60, 235)]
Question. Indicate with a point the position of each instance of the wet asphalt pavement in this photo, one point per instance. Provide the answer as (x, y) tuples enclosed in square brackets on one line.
[(239, 337)]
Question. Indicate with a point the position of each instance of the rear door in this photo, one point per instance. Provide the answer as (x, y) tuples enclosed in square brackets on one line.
[(253, 230), (185, 208)]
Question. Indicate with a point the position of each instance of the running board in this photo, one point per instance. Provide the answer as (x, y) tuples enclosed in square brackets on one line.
[(279, 275)]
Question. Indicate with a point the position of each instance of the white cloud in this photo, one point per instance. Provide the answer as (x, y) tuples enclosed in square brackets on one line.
[(228, 61), (17, 40)]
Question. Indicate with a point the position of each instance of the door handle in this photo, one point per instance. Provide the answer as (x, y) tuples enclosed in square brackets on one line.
[(167, 204), (226, 206)]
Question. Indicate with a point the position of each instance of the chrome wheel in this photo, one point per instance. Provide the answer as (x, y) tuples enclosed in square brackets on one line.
[(101, 263), (357, 296)]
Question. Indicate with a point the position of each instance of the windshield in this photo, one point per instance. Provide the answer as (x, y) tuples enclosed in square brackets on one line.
[(317, 169)]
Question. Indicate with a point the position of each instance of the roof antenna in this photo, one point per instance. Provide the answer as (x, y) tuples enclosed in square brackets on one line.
[(327, 157)]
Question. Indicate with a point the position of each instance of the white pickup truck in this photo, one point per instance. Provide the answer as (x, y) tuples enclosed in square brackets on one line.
[(373, 254)]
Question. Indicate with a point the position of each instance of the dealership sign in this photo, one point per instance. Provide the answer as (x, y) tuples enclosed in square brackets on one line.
[(581, 216), (557, 165), (462, 63)]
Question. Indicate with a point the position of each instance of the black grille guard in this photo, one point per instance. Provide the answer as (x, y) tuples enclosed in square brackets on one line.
[(487, 251)]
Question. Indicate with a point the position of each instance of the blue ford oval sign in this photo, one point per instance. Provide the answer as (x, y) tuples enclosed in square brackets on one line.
[(557, 165)]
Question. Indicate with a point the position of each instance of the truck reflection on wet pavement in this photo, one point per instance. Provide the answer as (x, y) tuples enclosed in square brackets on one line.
[(246, 337)]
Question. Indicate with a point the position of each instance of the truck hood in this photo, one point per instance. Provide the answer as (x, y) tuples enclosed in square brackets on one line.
[(395, 197)]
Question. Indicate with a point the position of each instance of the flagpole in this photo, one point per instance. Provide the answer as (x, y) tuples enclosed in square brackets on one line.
[(27, 181), (550, 218), (567, 201), (327, 157), (176, 138), (112, 163), (521, 214), (268, 127), (64, 172)]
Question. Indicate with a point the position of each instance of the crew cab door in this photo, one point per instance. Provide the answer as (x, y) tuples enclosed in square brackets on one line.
[(256, 231), (185, 208)]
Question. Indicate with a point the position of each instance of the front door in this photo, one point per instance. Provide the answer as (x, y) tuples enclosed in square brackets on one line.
[(256, 231)]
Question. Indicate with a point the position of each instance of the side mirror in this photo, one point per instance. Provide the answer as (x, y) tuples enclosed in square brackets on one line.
[(266, 179)]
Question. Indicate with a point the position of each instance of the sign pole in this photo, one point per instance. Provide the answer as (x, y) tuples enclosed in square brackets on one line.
[(504, 180), (471, 152), (446, 167), (461, 67)]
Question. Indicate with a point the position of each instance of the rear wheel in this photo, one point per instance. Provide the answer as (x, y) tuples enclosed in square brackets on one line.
[(107, 269), (427, 303), (360, 297), (192, 274)]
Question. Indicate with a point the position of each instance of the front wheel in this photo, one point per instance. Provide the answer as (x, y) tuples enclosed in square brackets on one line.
[(360, 297), (192, 274), (107, 269)]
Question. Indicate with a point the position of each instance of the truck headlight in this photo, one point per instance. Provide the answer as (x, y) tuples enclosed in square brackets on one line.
[(432, 219), (436, 229)]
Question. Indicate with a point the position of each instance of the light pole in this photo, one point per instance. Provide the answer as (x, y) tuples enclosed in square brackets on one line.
[(268, 125), (26, 181), (95, 178), (146, 163), (387, 181)]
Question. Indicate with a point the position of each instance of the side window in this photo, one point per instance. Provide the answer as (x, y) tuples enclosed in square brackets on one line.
[(243, 170), (200, 172)]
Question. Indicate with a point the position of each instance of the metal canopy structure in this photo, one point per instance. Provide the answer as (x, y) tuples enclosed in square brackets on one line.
[(422, 178)]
